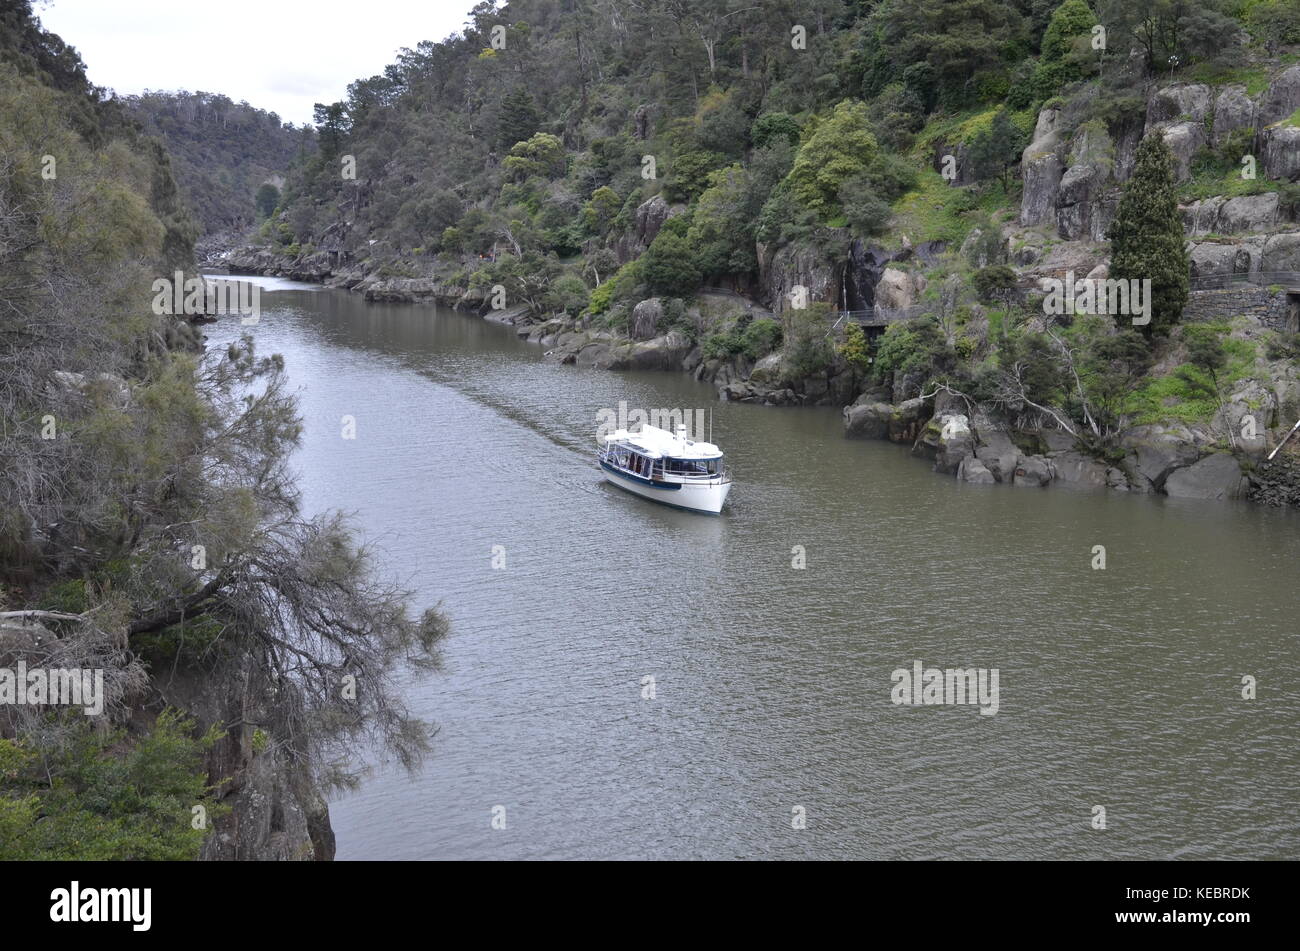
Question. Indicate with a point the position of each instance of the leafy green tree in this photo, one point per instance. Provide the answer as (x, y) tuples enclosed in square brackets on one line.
[(840, 148), (1146, 236), (268, 196), (772, 126), (542, 155), (688, 174), (996, 149), (855, 350), (599, 212), (671, 264), (1072, 20)]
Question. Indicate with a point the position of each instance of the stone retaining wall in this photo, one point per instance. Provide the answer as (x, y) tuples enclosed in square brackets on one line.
[(1272, 307)]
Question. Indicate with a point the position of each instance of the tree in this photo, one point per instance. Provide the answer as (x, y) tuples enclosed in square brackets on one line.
[(840, 148), (671, 263), (518, 120), (1072, 20), (1147, 236), (268, 196), (541, 155), (997, 148)]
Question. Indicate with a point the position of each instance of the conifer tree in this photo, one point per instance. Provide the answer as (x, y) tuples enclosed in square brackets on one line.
[(1147, 236)]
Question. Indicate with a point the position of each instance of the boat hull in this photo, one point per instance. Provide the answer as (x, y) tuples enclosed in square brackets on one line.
[(701, 497)]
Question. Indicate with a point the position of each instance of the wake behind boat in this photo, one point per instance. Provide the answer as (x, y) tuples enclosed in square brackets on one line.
[(666, 467)]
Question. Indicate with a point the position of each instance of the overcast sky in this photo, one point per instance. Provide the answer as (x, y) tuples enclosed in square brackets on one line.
[(280, 55)]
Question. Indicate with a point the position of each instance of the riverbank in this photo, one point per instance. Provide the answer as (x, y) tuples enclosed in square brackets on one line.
[(967, 440)]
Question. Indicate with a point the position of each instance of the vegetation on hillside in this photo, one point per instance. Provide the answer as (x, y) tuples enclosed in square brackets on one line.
[(149, 526)]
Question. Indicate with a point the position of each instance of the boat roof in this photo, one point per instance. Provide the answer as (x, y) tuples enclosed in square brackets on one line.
[(660, 443)]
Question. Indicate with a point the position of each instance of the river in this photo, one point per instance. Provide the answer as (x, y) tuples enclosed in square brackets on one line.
[(771, 732)]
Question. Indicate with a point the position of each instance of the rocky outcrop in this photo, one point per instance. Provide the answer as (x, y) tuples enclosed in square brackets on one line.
[(1282, 97), (898, 290), (1280, 152), (1233, 110), (1041, 168), (646, 318), (1177, 103), (1219, 215), (1217, 476), (1154, 451), (796, 265)]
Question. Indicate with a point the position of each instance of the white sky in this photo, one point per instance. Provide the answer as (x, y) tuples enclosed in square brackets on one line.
[(279, 55)]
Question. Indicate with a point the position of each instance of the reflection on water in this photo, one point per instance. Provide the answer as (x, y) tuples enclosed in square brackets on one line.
[(771, 684)]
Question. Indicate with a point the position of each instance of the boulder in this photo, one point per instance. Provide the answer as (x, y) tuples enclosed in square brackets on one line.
[(867, 421), (1232, 110), (1282, 97), (1217, 476), (1178, 102), (1033, 471), (946, 439), (907, 419), (1184, 139), (767, 369), (1248, 213), (1280, 152), (896, 290), (1155, 451), (1074, 468), (646, 317), (1281, 253), (1250, 409), (998, 454), (973, 471)]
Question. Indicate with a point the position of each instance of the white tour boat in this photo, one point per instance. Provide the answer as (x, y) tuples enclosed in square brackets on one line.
[(666, 467)]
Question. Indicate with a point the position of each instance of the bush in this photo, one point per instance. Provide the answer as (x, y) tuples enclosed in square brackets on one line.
[(671, 264)]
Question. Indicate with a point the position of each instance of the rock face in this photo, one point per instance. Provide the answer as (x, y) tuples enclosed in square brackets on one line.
[(947, 439), (1282, 97), (1155, 452), (1041, 168), (796, 265), (868, 420), (1074, 468), (1280, 154), (1233, 110), (1219, 215), (1184, 139), (1033, 471), (1178, 102), (975, 472), (1216, 476), (898, 289), (646, 317)]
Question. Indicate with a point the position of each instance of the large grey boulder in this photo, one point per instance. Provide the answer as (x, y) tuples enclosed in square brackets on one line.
[(1247, 415), (1076, 469), (1232, 110), (1214, 260), (1248, 213), (867, 420), (998, 454), (1217, 476), (946, 439), (975, 472), (1281, 253), (1178, 102), (907, 419), (1282, 97), (898, 289), (646, 318), (1280, 152), (1155, 451), (1184, 139), (1033, 471)]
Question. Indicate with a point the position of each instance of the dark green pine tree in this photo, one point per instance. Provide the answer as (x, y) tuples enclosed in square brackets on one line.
[(1146, 237), (519, 119)]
